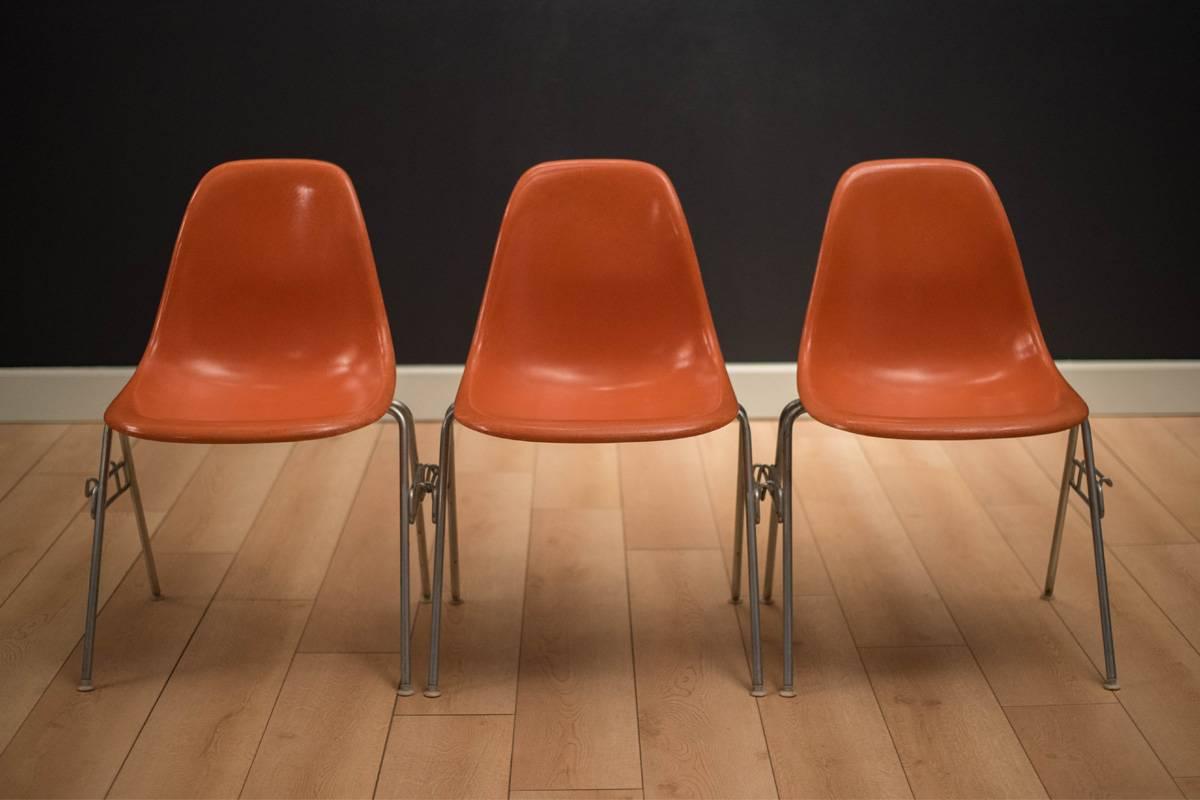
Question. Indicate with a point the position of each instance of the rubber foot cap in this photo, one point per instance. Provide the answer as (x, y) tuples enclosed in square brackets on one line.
[(1047, 595), (758, 692), (456, 601), (85, 686), (787, 692), (402, 692), (1112, 686), (735, 601), (432, 693)]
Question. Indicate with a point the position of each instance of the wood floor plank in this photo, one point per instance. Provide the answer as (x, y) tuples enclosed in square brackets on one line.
[(286, 553), (718, 451), (21, 445), (1170, 574), (164, 469), (327, 732), (830, 740), (481, 638), (578, 794), (577, 476), (887, 596), (42, 619), (72, 743), (1159, 669), (1135, 515), (32, 516), (447, 757), (1186, 429), (1026, 652), (700, 730), (478, 452), (953, 737), (76, 452), (1090, 751), (576, 718), (664, 496), (1162, 461), (203, 733), (215, 511), (358, 609), (1190, 787)]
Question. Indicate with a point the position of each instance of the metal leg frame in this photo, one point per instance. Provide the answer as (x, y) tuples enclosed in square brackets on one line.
[(1075, 474), (748, 506), (776, 481), (123, 475), (410, 512), (443, 508)]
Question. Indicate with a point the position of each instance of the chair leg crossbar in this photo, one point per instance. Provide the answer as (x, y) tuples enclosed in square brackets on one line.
[(1081, 476)]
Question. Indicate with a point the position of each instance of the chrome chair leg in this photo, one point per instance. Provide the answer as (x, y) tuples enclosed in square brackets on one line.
[(403, 417), (413, 474), (140, 514), (791, 412), (99, 500), (449, 479), (751, 512), (735, 586), (439, 558), (1064, 493), (1096, 509), (776, 513)]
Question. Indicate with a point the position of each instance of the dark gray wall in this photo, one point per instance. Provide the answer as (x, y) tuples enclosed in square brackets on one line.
[(1084, 114)]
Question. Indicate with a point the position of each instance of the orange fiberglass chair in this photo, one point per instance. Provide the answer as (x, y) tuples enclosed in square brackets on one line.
[(271, 328), (920, 326), (594, 327)]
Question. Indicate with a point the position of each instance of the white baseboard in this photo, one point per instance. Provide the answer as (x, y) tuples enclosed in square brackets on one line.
[(55, 394)]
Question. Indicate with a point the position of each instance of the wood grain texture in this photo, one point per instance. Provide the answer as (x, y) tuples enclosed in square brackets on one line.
[(32, 516), (286, 553), (1190, 787), (358, 609), (447, 757), (20, 448), (1135, 516), (75, 452), (327, 732), (139, 643), (202, 735), (576, 476), (1027, 653), (1165, 464), (577, 794), (214, 513), (1090, 751), (481, 638), (1170, 574), (831, 739), (664, 496), (576, 718), (952, 736), (42, 619), (1186, 429), (1159, 669), (700, 731), (887, 596)]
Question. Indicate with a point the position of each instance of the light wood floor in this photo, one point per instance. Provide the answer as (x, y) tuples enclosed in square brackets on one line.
[(596, 654)]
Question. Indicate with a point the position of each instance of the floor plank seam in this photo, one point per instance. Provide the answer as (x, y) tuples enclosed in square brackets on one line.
[(35, 462)]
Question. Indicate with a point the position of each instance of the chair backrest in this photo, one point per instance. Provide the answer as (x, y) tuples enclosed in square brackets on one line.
[(273, 269), (919, 271), (594, 278)]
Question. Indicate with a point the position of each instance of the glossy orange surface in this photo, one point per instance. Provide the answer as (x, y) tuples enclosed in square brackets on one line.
[(594, 325), (271, 326), (920, 324)]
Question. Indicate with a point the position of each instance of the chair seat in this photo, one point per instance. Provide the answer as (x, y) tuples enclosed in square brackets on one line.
[(958, 403), (175, 403), (613, 407)]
